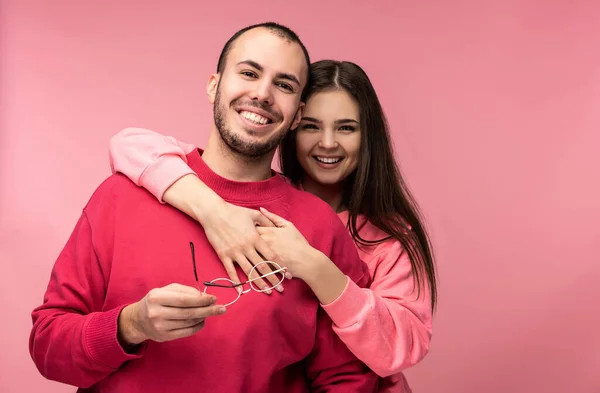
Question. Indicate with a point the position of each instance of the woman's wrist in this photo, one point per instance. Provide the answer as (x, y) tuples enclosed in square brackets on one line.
[(205, 207), (325, 279), (193, 197)]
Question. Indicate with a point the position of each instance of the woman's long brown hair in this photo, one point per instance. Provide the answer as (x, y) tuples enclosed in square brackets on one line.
[(376, 188)]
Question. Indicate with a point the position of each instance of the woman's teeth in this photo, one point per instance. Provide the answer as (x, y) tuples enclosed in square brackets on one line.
[(328, 160), (254, 118)]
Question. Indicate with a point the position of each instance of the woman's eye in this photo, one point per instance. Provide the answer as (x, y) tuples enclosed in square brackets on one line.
[(309, 127), (347, 128)]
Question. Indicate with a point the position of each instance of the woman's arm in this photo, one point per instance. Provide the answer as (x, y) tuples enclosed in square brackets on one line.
[(384, 325), (151, 160), (159, 164), (302, 260)]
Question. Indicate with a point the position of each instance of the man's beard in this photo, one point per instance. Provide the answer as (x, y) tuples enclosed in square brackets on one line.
[(236, 143)]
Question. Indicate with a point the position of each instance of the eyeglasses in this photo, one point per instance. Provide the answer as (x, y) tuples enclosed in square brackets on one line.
[(276, 270)]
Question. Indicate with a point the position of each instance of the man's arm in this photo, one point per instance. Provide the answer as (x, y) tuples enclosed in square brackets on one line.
[(332, 368), (72, 340), (75, 339)]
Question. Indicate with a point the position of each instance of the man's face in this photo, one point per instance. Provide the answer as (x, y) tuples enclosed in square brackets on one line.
[(257, 96)]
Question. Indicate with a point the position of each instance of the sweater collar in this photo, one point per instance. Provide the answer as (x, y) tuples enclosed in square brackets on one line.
[(235, 191)]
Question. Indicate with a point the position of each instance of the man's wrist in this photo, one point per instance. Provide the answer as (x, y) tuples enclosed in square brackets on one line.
[(128, 335)]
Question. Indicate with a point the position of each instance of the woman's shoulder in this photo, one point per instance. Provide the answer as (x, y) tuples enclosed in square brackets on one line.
[(381, 241)]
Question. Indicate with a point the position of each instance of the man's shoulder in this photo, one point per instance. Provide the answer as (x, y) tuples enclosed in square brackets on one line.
[(117, 190)]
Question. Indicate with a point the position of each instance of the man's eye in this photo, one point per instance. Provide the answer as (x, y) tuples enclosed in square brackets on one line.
[(285, 86)]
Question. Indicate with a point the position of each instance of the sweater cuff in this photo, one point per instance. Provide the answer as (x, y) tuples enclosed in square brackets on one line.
[(101, 343), (161, 175), (347, 309)]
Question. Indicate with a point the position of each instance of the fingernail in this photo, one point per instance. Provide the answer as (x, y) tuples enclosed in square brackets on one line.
[(213, 300), (268, 292), (288, 275), (279, 288), (221, 310), (239, 289)]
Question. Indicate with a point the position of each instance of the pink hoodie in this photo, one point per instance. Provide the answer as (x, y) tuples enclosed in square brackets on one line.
[(385, 326)]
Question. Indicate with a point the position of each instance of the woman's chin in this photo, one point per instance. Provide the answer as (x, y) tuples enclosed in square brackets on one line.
[(328, 180)]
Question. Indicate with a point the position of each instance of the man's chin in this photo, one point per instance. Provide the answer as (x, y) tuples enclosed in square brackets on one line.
[(249, 147)]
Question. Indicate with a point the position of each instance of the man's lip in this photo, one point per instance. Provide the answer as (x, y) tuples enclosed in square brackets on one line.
[(258, 111), (253, 124)]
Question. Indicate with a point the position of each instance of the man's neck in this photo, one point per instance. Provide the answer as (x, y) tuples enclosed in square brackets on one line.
[(233, 166)]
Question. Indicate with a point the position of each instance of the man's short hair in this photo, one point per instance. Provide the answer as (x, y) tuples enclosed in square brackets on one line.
[(280, 30)]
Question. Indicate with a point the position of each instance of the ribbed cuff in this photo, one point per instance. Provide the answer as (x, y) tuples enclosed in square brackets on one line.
[(347, 309), (161, 175), (101, 343)]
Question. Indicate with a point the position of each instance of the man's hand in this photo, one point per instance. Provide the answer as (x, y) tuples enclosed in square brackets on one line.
[(166, 314), (231, 230)]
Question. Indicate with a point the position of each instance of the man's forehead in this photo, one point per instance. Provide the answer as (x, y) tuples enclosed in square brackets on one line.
[(271, 51)]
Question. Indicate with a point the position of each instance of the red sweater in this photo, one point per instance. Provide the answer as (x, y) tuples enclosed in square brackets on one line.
[(126, 244)]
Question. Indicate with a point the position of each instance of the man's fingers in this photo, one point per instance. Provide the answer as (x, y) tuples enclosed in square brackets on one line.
[(179, 299), (175, 287), (175, 324), (185, 332), (193, 313)]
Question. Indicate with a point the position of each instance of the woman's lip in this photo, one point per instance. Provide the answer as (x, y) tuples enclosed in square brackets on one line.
[(328, 165)]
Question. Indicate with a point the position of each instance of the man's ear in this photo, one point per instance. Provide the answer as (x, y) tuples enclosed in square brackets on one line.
[(298, 116), (211, 87)]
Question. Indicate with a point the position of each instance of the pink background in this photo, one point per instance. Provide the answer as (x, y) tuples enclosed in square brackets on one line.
[(495, 112)]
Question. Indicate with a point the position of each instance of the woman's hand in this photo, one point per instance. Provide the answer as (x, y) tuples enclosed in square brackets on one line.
[(302, 260), (230, 229), (292, 248), (232, 232)]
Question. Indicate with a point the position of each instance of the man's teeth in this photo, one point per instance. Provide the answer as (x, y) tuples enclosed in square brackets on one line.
[(253, 117), (328, 160)]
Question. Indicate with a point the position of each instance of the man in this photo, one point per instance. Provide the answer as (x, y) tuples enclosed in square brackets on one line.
[(93, 331)]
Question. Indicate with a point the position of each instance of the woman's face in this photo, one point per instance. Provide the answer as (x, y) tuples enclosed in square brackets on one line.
[(328, 137)]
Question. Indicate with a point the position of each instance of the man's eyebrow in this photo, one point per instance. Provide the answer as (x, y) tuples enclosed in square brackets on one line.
[(288, 77), (280, 75), (251, 63)]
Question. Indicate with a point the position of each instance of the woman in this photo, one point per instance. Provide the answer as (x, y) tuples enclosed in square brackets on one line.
[(341, 152)]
